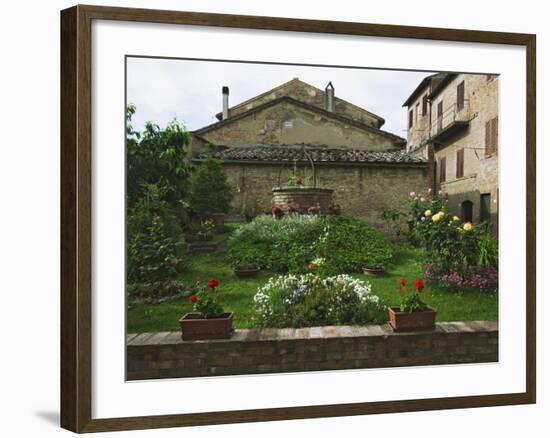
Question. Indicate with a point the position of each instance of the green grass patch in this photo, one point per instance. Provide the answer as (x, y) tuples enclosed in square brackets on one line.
[(237, 294)]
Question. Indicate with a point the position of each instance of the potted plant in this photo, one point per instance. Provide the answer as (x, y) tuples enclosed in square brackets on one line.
[(206, 229), (412, 314), (246, 266), (208, 319), (374, 270)]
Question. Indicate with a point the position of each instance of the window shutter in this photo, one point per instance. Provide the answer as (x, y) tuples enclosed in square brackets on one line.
[(442, 170), (488, 132), (410, 118), (460, 96), (495, 134), (460, 163), (425, 105), (491, 136)]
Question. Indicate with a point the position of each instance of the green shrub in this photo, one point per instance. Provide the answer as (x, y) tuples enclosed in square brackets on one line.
[(210, 191), (279, 245), (348, 244), (156, 254), (311, 300), (290, 244)]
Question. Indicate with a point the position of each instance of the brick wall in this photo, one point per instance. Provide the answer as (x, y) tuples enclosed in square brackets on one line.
[(165, 355), (361, 190)]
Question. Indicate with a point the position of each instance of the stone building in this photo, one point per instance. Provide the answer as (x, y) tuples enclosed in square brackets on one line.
[(332, 142), (453, 119)]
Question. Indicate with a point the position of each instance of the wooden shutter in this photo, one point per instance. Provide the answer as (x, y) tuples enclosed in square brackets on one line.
[(460, 96), (440, 116), (491, 136), (495, 134), (442, 170), (460, 163), (425, 105), (410, 118)]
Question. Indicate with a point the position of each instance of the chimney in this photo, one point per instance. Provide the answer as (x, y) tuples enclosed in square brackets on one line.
[(329, 97), (225, 98)]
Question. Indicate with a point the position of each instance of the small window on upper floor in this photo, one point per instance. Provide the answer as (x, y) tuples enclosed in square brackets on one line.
[(425, 105), (410, 119), (417, 112)]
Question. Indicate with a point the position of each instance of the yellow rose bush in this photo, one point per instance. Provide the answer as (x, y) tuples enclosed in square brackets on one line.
[(458, 254)]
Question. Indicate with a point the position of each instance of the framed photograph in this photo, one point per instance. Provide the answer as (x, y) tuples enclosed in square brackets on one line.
[(268, 219)]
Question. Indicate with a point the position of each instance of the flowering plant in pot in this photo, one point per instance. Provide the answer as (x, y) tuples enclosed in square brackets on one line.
[(208, 319), (412, 313), (246, 265), (206, 229)]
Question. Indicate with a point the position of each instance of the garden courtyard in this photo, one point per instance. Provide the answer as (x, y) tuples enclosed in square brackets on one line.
[(452, 304)]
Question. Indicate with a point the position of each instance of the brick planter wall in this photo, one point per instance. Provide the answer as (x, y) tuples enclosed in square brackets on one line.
[(305, 196), (164, 354)]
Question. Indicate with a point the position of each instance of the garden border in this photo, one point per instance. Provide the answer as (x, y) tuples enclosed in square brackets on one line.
[(269, 350)]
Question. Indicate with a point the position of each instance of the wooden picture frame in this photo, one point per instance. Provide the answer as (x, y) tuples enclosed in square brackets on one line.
[(76, 217)]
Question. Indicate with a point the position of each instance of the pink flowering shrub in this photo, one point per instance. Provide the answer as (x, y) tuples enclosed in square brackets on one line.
[(479, 277)]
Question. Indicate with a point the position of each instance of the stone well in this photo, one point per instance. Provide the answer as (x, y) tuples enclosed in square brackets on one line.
[(303, 195)]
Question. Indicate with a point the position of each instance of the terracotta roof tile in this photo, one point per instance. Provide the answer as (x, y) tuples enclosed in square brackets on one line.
[(319, 154)]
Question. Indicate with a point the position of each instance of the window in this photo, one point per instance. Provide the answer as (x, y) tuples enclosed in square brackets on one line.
[(417, 112), (442, 169), (466, 211), (485, 207), (460, 163), (491, 136), (425, 105), (460, 96), (410, 119)]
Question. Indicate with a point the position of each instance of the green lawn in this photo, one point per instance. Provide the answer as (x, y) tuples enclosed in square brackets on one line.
[(238, 293)]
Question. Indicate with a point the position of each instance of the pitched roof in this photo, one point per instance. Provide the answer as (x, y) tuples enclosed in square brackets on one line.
[(291, 100), (433, 82), (317, 154), (380, 120)]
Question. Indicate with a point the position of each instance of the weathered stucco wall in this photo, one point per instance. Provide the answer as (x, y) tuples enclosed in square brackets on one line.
[(286, 123), (361, 190)]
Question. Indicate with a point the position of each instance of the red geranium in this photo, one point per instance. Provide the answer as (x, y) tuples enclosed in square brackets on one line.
[(399, 287), (311, 266), (418, 284), (192, 298), (212, 283), (403, 281)]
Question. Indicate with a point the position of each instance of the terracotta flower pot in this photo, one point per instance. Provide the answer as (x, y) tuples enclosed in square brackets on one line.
[(194, 326), (378, 270), (246, 272), (412, 321)]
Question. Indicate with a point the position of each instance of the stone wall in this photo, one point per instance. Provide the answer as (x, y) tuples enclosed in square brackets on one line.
[(480, 170), (361, 190), (288, 123), (304, 92), (165, 355)]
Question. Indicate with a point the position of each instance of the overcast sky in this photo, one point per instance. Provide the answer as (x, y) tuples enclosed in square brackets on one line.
[(190, 91)]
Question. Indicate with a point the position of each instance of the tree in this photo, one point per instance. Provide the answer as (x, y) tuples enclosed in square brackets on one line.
[(157, 156), (210, 191)]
